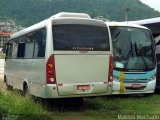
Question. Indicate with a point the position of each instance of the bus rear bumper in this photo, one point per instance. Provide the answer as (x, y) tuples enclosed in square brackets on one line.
[(51, 91)]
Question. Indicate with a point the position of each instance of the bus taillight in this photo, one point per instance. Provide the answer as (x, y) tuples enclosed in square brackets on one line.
[(50, 70), (110, 72)]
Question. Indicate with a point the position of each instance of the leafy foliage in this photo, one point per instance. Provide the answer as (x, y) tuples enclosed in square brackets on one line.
[(28, 12)]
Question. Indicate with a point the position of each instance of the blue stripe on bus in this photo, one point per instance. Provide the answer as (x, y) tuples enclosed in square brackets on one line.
[(132, 75)]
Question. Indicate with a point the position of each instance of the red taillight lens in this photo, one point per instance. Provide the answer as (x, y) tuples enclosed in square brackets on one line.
[(110, 72), (50, 71)]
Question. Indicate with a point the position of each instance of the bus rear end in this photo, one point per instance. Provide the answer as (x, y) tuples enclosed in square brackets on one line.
[(81, 62)]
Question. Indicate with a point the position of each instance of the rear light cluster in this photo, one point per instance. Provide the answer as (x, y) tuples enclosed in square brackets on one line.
[(50, 70), (110, 72)]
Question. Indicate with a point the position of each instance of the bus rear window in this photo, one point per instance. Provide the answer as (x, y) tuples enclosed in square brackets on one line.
[(76, 37)]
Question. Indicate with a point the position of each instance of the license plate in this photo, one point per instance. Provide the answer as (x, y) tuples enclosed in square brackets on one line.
[(136, 85), (83, 87)]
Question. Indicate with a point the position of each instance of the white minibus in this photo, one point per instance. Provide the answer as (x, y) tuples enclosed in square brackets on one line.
[(66, 55)]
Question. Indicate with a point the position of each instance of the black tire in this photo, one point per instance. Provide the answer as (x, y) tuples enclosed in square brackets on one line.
[(9, 87), (4, 78), (25, 91)]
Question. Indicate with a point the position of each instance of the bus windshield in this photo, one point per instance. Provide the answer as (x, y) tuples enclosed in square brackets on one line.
[(133, 49), (77, 37)]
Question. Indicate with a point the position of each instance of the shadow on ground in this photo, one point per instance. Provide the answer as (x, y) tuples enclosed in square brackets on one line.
[(70, 104)]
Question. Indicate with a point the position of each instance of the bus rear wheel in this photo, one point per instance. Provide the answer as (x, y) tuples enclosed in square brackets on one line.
[(9, 87), (25, 90)]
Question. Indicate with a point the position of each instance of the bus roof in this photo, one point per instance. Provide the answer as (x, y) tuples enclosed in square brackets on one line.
[(61, 15), (69, 14), (153, 24), (146, 21), (125, 24)]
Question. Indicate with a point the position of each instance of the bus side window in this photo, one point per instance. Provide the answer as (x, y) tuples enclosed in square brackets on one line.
[(40, 43), (21, 47), (21, 50), (9, 50), (29, 47), (14, 49)]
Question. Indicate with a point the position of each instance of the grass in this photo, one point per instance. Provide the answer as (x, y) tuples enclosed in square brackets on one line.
[(14, 104), (97, 108), (100, 108), (128, 105)]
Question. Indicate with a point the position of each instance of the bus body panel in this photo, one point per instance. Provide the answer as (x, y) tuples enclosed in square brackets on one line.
[(19, 70), (74, 70)]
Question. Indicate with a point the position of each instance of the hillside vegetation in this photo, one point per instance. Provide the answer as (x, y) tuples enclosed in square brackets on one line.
[(28, 12), (9, 26)]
